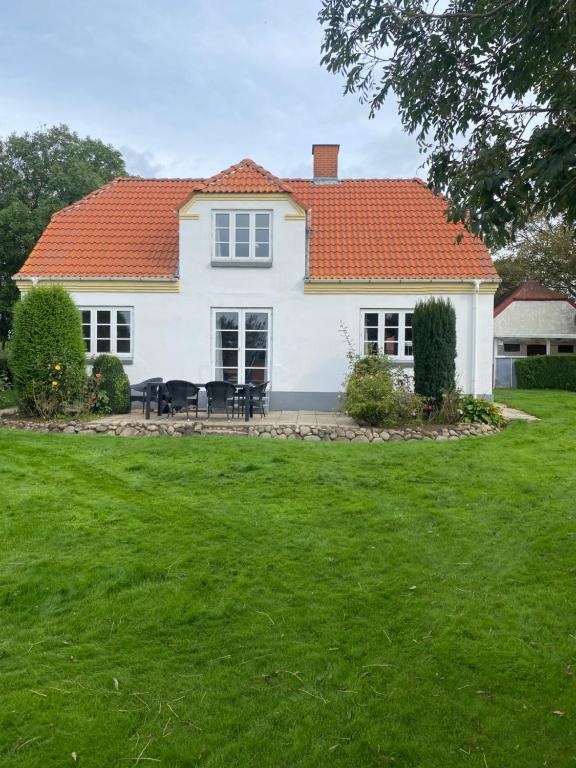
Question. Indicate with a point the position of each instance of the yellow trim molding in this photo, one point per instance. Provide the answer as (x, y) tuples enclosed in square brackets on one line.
[(190, 216), (260, 197), (422, 287), (295, 216), (104, 285)]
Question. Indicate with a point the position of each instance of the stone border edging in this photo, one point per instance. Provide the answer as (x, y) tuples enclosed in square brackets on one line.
[(357, 434)]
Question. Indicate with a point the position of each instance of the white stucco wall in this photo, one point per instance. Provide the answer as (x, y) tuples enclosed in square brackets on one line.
[(535, 318), (173, 332)]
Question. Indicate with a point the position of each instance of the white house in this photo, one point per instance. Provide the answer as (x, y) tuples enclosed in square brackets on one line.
[(248, 277), (532, 320)]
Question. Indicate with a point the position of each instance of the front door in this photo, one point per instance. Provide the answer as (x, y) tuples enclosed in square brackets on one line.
[(535, 349)]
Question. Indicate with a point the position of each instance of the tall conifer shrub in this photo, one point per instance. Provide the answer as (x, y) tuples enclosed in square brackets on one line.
[(434, 345)]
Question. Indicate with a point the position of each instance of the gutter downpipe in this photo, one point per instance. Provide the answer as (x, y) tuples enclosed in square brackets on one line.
[(475, 337)]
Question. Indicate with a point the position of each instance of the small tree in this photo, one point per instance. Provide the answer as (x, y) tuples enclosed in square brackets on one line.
[(47, 353), (113, 381), (434, 345)]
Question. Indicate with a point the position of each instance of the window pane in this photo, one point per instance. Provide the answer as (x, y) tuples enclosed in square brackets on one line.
[(391, 341), (103, 316), (256, 321), (371, 319), (262, 251), (227, 339), (103, 331), (262, 235), (222, 235), (371, 334), (222, 220), (242, 250), (227, 374), (242, 235), (123, 331), (86, 314), (391, 319), (263, 220), (242, 220), (222, 250), (256, 339), (563, 349), (123, 346), (255, 375), (123, 317), (103, 345), (371, 348), (227, 358), (255, 358), (227, 321), (408, 319)]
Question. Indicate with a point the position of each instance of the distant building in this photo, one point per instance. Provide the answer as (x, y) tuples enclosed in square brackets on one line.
[(532, 320)]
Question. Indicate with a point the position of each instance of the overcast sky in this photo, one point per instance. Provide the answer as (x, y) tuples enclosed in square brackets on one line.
[(188, 87)]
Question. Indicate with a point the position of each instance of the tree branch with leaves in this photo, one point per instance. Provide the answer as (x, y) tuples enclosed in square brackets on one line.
[(487, 88)]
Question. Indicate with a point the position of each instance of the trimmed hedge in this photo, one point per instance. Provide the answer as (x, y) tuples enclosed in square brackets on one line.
[(47, 352), (113, 381), (434, 346), (547, 372)]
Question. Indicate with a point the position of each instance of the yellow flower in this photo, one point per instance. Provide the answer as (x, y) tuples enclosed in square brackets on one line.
[(57, 367), (54, 383)]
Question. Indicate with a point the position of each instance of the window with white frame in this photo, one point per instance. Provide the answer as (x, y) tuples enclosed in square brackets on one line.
[(387, 331), (107, 330), (242, 235), (241, 345)]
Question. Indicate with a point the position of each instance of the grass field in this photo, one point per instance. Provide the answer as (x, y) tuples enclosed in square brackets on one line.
[(231, 602)]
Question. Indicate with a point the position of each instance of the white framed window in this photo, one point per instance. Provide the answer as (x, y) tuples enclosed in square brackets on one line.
[(388, 331), (108, 330), (241, 345), (242, 236)]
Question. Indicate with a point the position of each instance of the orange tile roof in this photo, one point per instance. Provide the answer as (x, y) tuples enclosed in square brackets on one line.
[(245, 176), (360, 229), (127, 228)]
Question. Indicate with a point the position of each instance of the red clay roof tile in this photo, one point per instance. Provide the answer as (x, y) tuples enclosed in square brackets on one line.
[(359, 229)]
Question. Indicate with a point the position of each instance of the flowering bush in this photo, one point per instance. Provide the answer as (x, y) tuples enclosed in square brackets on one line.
[(47, 353), (96, 399)]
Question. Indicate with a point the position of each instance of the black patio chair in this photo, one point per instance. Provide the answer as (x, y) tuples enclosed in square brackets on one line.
[(257, 396), (181, 396), (137, 392), (220, 395)]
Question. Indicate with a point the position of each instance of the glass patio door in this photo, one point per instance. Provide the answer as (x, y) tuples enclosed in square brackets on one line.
[(242, 345)]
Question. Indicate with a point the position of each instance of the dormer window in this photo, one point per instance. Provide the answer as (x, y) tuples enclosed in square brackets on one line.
[(242, 237)]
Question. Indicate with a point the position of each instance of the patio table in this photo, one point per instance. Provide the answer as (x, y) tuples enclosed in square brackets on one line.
[(241, 389)]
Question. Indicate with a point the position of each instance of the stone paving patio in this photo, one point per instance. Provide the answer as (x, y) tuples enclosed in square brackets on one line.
[(273, 418)]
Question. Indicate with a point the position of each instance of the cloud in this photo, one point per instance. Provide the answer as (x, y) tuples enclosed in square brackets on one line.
[(187, 89)]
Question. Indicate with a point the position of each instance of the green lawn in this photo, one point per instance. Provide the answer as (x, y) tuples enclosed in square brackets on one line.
[(236, 602)]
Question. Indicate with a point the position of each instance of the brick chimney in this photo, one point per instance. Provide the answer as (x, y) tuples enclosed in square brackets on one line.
[(325, 163)]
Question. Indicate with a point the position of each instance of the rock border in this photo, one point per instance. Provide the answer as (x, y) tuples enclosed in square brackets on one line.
[(356, 434)]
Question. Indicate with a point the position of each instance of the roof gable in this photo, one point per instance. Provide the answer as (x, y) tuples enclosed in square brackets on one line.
[(243, 178), (531, 290)]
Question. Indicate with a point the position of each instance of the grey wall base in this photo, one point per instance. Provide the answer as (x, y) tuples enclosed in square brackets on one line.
[(304, 401)]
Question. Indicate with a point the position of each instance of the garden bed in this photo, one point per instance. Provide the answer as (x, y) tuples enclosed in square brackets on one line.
[(352, 434)]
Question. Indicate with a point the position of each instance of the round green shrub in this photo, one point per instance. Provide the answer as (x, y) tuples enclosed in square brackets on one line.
[(47, 352), (113, 381)]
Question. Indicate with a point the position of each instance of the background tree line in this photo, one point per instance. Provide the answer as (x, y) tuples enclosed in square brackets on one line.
[(40, 173)]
